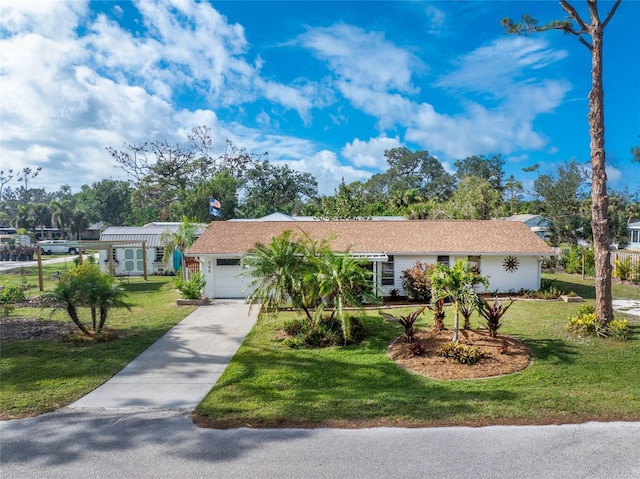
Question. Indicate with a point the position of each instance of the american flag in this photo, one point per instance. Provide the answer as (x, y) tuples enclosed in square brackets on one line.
[(215, 208)]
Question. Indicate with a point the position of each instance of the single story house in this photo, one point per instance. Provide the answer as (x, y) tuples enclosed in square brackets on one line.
[(634, 235), (538, 224), (507, 252), (128, 258)]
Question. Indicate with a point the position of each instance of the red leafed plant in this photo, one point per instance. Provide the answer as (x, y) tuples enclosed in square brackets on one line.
[(492, 312), (406, 322)]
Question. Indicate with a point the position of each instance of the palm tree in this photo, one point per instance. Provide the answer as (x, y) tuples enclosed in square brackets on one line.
[(341, 280), (458, 284), (86, 286), (111, 296), (180, 240), (66, 294), (278, 271), (77, 224), (61, 213)]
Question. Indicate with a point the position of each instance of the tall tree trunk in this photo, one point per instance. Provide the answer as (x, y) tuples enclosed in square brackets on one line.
[(600, 200)]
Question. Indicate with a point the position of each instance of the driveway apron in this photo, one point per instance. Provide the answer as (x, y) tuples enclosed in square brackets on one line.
[(178, 370)]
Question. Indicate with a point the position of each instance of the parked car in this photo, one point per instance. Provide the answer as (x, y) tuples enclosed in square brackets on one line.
[(57, 247)]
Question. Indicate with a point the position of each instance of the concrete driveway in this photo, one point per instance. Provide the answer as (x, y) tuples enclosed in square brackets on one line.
[(179, 369)]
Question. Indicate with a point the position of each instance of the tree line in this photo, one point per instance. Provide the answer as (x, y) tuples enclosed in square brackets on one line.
[(169, 182)]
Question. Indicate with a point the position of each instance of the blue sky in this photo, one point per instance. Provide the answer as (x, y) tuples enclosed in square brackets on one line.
[(323, 86)]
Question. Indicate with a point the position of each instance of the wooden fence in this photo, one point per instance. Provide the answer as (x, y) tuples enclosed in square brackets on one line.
[(628, 259)]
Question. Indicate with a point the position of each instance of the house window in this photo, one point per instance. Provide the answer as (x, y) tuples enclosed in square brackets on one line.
[(634, 236), (159, 255), (388, 272), (474, 263), (227, 261), (114, 258), (443, 259)]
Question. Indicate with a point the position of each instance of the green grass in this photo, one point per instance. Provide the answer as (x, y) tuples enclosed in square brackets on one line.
[(39, 376), (28, 275), (571, 380)]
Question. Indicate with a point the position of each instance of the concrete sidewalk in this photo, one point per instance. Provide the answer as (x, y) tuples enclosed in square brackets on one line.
[(178, 370)]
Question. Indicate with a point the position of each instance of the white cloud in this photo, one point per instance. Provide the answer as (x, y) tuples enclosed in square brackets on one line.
[(437, 19), (327, 169), (67, 97), (364, 59), (55, 20), (614, 175), (497, 70), (497, 67), (370, 154)]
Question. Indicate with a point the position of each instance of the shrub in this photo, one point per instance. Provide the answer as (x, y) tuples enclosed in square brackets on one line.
[(9, 296), (394, 293), (586, 322), (462, 353), (12, 295), (548, 290), (190, 288), (619, 329), (416, 282), (572, 260), (623, 268), (418, 348), (325, 333)]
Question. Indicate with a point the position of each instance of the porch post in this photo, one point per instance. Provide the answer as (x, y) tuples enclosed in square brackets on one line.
[(144, 259)]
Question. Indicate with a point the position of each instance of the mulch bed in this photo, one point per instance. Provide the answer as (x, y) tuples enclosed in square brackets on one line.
[(516, 358)]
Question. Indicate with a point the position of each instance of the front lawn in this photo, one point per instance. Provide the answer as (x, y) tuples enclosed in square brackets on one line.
[(572, 379), (37, 376)]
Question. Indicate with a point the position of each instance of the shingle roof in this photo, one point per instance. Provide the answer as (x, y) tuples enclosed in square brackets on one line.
[(391, 237)]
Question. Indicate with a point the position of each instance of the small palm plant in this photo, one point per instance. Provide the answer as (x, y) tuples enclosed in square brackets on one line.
[(493, 312), (457, 283), (407, 322), (437, 307), (277, 270), (86, 286), (340, 280)]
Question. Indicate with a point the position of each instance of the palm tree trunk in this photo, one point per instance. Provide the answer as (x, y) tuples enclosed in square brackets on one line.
[(455, 324), (73, 314), (93, 317), (104, 310)]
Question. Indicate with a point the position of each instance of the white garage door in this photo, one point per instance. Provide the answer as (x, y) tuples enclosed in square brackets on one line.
[(227, 280)]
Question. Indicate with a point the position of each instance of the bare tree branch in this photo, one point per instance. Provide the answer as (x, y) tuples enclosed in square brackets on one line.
[(611, 12)]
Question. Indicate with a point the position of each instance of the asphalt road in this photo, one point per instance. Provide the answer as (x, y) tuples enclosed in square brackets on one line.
[(165, 444), (8, 265)]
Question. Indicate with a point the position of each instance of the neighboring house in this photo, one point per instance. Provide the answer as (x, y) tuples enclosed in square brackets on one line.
[(507, 252), (128, 259), (634, 235), (538, 224)]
